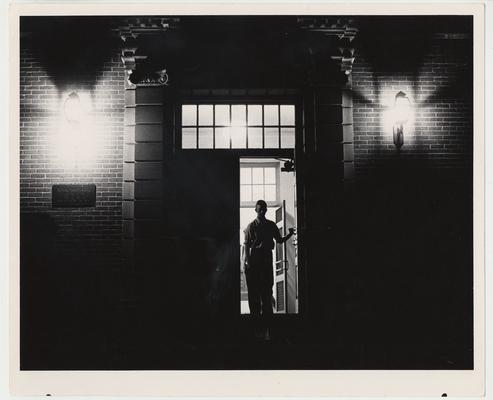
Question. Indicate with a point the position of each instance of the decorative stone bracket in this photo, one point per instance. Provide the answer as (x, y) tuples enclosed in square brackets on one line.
[(140, 69), (343, 29)]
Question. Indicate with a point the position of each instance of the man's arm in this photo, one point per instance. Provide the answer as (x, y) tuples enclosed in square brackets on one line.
[(247, 246), (281, 239), (246, 255)]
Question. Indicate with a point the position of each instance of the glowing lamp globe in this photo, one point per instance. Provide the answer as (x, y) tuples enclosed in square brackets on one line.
[(72, 108)]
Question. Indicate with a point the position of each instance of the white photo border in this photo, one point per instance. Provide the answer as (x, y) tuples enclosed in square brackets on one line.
[(372, 383)]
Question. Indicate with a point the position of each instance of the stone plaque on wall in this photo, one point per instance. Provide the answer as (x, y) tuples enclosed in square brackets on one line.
[(73, 195)]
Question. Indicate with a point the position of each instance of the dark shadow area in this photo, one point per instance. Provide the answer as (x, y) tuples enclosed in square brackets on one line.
[(65, 300), (399, 44), (70, 49), (409, 286)]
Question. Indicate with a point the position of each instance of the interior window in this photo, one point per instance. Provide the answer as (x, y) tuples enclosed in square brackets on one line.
[(257, 183)]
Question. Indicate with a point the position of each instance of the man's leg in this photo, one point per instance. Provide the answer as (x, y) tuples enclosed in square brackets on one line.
[(266, 295), (254, 299)]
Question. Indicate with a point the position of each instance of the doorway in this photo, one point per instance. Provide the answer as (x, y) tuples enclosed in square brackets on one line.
[(267, 179)]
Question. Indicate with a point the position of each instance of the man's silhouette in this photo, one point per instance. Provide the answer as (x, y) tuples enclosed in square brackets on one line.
[(259, 243)]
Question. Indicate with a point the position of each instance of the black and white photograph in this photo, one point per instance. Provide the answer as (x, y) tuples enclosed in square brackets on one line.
[(247, 192)]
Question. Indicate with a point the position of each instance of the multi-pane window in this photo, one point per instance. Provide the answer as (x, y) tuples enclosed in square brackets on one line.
[(238, 126), (258, 183)]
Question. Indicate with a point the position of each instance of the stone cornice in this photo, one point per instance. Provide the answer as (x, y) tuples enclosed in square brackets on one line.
[(341, 28), (135, 26), (132, 31), (143, 69)]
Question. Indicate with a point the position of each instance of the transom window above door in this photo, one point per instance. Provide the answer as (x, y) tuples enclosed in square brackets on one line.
[(238, 126)]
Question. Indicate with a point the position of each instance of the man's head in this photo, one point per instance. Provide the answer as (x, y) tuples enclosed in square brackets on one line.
[(261, 208)]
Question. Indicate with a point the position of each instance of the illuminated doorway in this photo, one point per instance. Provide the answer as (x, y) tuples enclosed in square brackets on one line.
[(263, 178)]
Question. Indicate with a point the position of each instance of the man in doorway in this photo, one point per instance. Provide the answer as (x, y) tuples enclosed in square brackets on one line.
[(259, 243)]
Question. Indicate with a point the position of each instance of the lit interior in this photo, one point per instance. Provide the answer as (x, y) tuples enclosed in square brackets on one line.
[(261, 178)]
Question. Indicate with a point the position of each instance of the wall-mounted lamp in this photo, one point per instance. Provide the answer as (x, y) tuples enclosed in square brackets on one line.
[(402, 108), (72, 108), (76, 141)]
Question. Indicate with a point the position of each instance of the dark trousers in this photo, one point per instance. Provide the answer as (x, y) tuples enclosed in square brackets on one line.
[(259, 280)]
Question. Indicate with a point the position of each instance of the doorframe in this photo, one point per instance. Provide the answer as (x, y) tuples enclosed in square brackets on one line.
[(263, 162), (176, 98)]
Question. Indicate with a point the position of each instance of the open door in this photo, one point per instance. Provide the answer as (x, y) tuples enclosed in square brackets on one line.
[(286, 278), (281, 264)]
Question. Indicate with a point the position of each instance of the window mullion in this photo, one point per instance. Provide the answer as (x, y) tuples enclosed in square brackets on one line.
[(197, 125), (263, 184), (230, 127), (251, 183), (213, 126), (263, 127), (279, 126), (246, 124)]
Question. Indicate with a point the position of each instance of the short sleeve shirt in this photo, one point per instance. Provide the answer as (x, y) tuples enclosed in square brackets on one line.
[(260, 235)]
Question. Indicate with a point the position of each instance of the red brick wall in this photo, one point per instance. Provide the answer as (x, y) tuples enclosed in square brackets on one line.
[(439, 134), (51, 152)]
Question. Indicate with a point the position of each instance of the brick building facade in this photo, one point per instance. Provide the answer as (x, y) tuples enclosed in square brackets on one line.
[(393, 227)]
